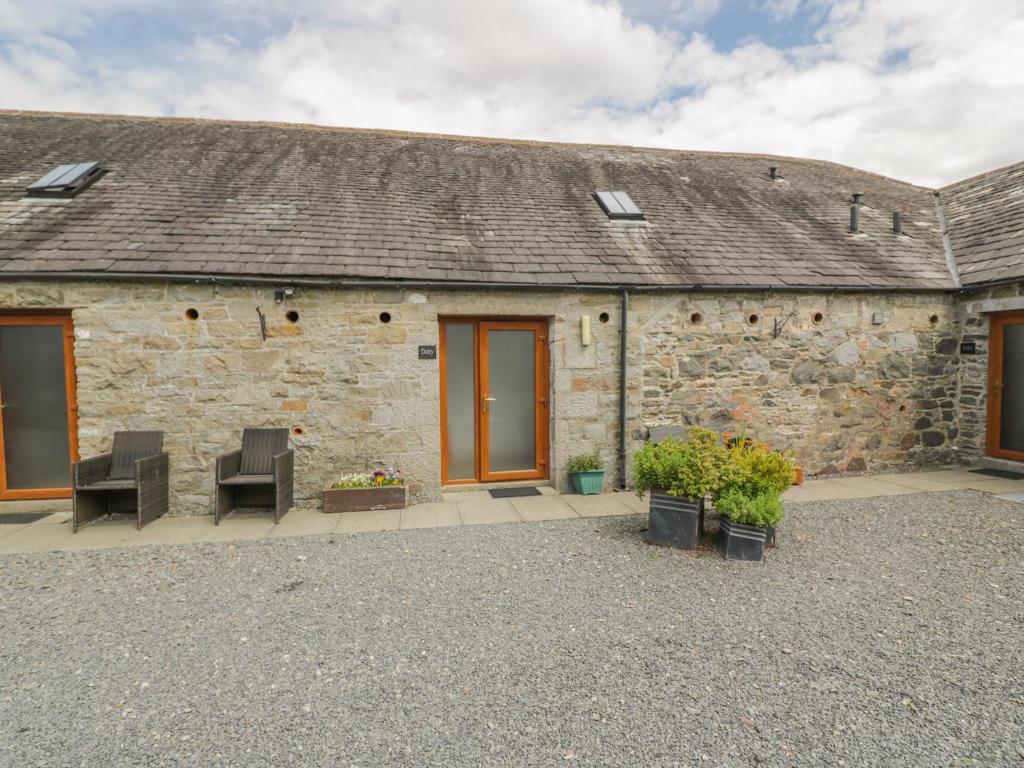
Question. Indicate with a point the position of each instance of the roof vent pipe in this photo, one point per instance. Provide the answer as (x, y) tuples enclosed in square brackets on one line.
[(855, 211), (897, 222), (773, 172)]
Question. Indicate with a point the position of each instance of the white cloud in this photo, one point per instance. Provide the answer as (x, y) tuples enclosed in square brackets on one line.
[(567, 69)]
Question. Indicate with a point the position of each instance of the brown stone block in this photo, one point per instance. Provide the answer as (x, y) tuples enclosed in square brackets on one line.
[(387, 334), (294, 405)]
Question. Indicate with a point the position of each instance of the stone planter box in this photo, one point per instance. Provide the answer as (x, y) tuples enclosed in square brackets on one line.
[(362, 499), (675, 521)]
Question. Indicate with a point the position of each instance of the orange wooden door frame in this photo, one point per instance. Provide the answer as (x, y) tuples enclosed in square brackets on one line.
[(481, 424), (71, 389), (540, 404), (997, 325)]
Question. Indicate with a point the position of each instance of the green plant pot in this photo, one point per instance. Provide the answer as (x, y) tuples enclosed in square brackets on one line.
[(587, 483)]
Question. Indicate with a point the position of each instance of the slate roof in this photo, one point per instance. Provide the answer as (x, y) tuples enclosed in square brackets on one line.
[(985, 219), (228, 198)]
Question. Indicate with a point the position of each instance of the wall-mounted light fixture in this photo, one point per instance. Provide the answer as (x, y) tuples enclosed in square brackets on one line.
[(585, 330), (283, 293)]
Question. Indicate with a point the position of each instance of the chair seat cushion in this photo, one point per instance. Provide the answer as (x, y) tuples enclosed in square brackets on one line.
[(249, 480), (114, 484)]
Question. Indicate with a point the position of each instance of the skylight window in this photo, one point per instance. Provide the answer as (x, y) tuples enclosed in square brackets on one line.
[(618, 205), (66, 180)]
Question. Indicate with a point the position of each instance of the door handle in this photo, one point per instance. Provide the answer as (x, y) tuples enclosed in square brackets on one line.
[(484, 400)]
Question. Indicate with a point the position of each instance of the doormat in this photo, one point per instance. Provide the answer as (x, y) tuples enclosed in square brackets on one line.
[(1003, 473), (20, 518), (507, 493)]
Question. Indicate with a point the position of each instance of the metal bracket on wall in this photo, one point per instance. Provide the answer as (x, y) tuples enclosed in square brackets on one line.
[(263, 323), (780, 325)]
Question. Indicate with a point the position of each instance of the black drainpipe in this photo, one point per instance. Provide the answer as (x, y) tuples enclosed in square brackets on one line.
[(623, 332)]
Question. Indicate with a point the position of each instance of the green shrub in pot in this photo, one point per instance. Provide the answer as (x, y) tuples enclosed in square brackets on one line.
[(679, 474), (690, 468), (749, 498)]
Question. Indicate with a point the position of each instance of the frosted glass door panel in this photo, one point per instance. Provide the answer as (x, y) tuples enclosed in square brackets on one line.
[(1011, 425), (35, 407), (511, 378), (461, 401)]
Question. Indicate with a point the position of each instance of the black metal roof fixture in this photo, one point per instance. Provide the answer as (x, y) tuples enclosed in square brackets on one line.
[(618, 205), (66, 180)]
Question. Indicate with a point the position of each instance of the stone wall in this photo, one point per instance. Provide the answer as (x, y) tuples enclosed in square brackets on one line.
[(850, 382), (845, 393), (973, 373), (352, 385)]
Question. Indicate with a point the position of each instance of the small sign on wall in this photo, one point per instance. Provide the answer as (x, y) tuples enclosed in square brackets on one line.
[(968, 347), (428, 352)]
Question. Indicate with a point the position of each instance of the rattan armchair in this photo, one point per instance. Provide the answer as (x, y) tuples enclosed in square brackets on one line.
[(133, 477), (261, 474)]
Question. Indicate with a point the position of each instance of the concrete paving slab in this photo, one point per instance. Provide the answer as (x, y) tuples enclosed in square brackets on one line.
[(602, 505), (304, 522), (870, 486), (1015, 497), (441, 514), (239, 527), (487, 511), (948, 475), (536, 508), (994, 485), (922, 483), (371, 521), (103, 534), (173, 530), (631, 500), (457, 496)]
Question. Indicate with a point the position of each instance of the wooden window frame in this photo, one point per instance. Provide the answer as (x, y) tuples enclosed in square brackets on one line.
[(542, 405), (63, 320), (997, 323)]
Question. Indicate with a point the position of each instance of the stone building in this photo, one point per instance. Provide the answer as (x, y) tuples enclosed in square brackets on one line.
[(477, 310)]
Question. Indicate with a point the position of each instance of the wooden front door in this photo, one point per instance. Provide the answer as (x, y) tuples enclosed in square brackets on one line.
[(494, 400), (39, 424), (1006, 385)]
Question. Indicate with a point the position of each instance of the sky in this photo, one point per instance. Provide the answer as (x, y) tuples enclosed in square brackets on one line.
[(929, 91)]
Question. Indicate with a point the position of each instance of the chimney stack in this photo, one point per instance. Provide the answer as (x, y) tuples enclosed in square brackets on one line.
[(773, 172)]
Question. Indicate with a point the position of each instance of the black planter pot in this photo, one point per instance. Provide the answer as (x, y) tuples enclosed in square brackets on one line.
[(741, 542), (675, 521)]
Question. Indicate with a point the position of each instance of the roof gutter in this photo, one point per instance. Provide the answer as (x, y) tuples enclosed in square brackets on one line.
[(456, 285)]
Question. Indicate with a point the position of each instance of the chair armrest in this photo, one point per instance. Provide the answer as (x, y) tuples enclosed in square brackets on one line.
[(228, 465), (284, 465), (92, 470), (151, 468)]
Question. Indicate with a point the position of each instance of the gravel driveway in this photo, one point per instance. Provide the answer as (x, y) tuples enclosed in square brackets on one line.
[(884, 631)]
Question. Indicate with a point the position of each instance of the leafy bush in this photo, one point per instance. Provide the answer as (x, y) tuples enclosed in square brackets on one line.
[(389, 476), (763, 510), (586, 462), (755, 469), (690, 467)]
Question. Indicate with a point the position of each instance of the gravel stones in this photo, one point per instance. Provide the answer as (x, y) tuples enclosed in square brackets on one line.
[(883, 631)]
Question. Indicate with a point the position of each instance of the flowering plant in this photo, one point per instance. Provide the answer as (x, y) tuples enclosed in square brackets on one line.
[(389, 476)]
